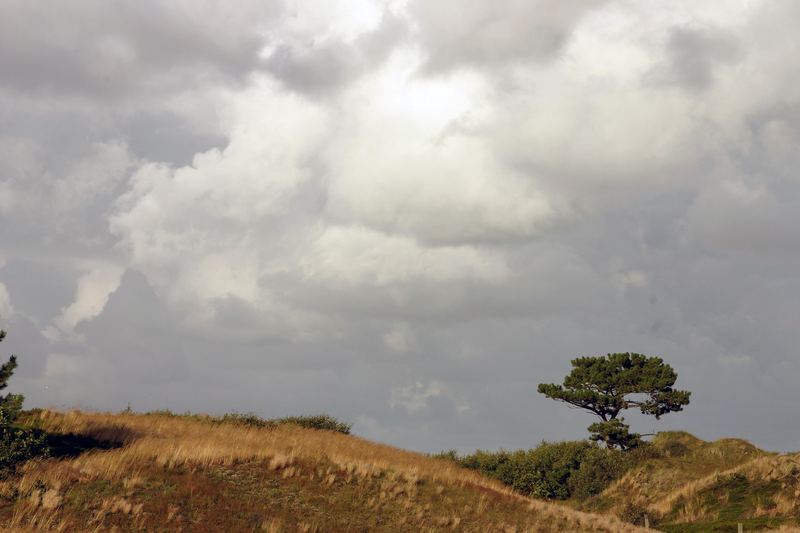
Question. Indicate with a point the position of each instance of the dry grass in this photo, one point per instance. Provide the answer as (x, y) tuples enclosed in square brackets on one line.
[(179, 474), (657, 484), (691, 485), (779, 468)]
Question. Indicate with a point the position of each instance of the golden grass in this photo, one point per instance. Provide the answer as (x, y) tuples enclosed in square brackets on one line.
[(321, 460), (761, 469), (688, 465)]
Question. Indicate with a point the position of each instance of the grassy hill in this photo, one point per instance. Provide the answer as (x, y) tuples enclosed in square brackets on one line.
[(159, 472), (692, 486)]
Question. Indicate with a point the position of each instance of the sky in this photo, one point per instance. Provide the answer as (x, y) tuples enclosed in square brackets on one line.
[(406, 214)]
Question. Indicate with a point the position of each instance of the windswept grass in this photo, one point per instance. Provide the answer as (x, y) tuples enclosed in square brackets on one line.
[(182, 474), (695, 486)]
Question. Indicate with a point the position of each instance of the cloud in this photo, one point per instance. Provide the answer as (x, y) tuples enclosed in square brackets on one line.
[(413, 157), (419, 396), (93, 49), (693, 55), (488, 34), (200, 231), (732, 216), (357, 256), (319, 61), (91, 296), (400, 338), (6, 310), (406, 213)]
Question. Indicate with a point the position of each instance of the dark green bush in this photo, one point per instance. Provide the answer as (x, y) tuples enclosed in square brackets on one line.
[(321, 421), (246, 419), (542, 471), (600, 466), (326, 422), (552, 470), (17, 444)]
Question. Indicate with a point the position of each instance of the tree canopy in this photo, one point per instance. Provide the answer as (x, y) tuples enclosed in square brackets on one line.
[(607, 385)]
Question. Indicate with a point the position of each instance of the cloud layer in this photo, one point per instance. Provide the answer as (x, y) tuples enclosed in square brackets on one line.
[(407, 213)]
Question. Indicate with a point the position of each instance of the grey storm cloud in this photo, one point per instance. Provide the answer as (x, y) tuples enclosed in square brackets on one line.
[(486, 34), (319, 68), (99, 49), (405, 213), (694, 53)]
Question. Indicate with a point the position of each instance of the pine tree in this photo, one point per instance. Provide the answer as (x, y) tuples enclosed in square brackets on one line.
[(607, 385)]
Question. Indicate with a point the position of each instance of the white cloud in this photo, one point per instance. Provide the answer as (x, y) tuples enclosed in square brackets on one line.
[(91, 295), (417, 396), (205, 231), (6, 310), (359, 256), (400, 338), (412, 156), (494, 33), (632, 278)]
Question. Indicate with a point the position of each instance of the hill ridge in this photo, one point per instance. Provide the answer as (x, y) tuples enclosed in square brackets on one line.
[(172, 473)]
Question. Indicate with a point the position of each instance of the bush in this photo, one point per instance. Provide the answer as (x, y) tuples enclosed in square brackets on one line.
[(17, 444), (542, 472), (324, 422), (552, 470), (600, 466), (246, 419)]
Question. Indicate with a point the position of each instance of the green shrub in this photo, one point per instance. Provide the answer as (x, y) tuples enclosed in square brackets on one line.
[(447, 455), (17, 444), (322, 421), (246, 419), (325, 422), (542, 471), (552, 470), (600, 466)]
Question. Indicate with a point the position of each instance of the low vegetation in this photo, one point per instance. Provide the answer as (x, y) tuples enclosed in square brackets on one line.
[(553, 470), (691, 485), (321, 421), (17, 443), (679, 482)]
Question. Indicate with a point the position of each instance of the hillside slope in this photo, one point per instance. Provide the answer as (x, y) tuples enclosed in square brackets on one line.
[(707, 486), (171, 473)]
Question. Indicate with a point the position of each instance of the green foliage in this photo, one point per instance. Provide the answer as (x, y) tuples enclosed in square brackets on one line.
[(607, 385), (246, 419), (615, 433), (320, 421), (552, 470), (17, 444), (325, 422), (20, 444), (599, 467)]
